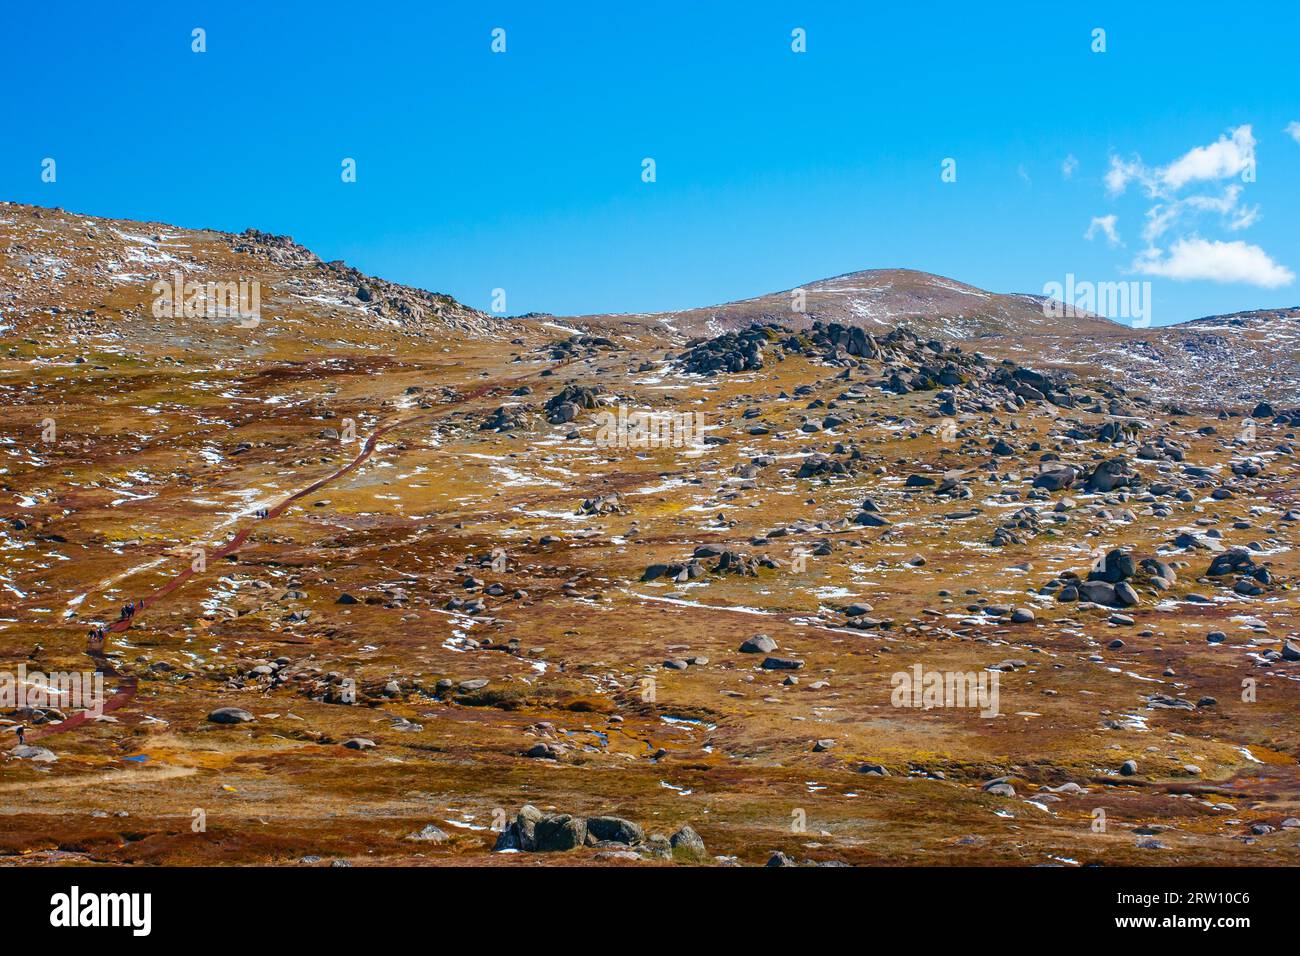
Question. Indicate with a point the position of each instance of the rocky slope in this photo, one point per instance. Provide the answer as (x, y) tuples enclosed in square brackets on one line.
[(90, 276), (1220, 360)]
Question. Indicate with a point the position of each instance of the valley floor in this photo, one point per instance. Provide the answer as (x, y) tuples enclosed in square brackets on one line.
[(480, 640)]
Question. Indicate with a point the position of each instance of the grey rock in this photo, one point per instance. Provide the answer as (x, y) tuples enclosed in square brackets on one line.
[(230, 715), (758, 644), (686, 842), (37, 754), (615, 830), (429, 834), (556, 833)]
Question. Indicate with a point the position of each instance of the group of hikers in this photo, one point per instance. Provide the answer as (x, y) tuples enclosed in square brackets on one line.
[(95, 635), (98, 632)]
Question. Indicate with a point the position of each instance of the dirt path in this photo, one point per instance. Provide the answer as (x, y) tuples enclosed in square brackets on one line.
[(127, 690)]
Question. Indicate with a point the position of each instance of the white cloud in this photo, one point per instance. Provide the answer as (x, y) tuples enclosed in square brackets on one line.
[(1216, 261), (1235, 216), (1070, 164), (1174, 250), (1224, 159), (1121, 174), (1106, 226), (1244, 219), (1159, 219), (1231, 155), (1223, 204), (1162, 216), (1293, 130)]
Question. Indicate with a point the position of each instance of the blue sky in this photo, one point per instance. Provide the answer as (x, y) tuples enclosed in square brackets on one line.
[(523, 170)]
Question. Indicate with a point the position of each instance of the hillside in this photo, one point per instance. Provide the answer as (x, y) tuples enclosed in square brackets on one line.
[(878, 299), (379, 580), (95, 277)]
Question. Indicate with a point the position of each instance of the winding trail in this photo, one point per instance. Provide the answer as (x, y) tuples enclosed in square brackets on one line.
[(127, 690)]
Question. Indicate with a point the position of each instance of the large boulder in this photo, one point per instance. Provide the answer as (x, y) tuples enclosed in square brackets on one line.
[(535, 832), (1056, 479), (615, 830), (1235, 561), (687, 843), (1116, 566), (1160, 570), (521, 834), (555, 833), (565, 405), (758, 644), (1098, 592), (563, 413), (1125, 595), (37, 754), (1107, 594), (1111, 474), (230, 715)]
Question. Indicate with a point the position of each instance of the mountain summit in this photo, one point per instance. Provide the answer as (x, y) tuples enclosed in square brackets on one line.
[(879, 299)]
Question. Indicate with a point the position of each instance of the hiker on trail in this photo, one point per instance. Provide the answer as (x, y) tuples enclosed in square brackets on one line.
[(22, 735)]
